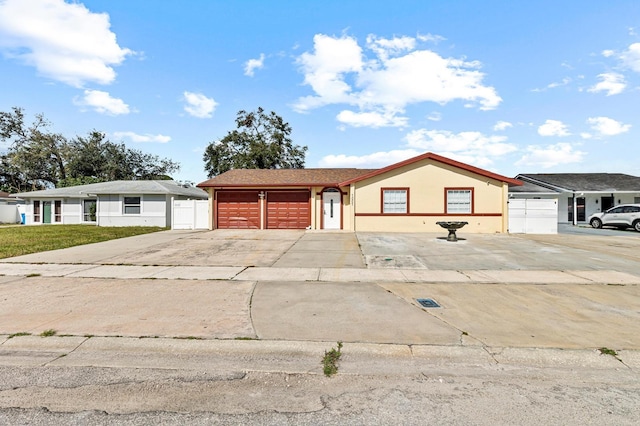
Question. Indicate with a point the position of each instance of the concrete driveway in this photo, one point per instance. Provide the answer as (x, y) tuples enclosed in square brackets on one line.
[(495, 290)]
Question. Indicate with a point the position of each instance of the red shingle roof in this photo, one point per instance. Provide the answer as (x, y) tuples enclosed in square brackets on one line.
[(283, 177)]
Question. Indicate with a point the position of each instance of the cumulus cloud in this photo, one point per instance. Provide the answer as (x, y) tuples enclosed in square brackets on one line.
[(469, 147), (606, 126), (550, 156), (374, 160), (198, 105), (502, 125), (63, 41), (631, 57), (387, 75), (135, 137), (612, 83), (253, 64), (102, 102), (553, 128)]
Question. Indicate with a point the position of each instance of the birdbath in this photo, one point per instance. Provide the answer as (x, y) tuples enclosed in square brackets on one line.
[(452, 226)]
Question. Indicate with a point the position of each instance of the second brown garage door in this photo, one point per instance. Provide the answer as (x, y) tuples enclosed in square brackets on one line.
[(237, 210), (288, 210)]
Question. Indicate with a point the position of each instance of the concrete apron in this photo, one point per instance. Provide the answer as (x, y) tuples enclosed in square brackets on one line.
[(471, 314)]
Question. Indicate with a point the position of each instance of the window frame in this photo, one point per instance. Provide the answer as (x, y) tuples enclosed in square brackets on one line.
[(125, 205), (471, 201), (37, 211), (56, 208), (85, 214), (407, 201)]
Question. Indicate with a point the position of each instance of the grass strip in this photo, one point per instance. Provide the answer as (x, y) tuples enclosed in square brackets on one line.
[(20, 240)]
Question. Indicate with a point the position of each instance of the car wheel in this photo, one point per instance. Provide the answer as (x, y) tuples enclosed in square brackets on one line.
[(596, 223), (636, 225)]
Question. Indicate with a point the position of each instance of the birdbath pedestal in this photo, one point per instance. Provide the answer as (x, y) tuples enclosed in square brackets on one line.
[(452, 226)]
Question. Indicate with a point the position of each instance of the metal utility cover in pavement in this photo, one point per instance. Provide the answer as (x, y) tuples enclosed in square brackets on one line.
[(428, 303)]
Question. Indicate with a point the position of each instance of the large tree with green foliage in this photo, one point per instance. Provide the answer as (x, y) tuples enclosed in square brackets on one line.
[(261, 141), (37, 158)]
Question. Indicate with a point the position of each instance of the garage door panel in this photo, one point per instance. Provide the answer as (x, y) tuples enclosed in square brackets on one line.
[(288, 210), (238, 210)]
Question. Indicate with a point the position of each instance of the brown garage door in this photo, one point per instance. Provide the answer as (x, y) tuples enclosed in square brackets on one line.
[(237, 210), (288, 210)]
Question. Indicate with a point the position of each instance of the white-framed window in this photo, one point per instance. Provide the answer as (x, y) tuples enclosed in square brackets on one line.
[(459, 201), (132, 205), (89, 209), (395, 200)]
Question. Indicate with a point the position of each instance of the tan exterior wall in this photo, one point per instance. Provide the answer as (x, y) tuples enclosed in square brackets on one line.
[(426, 181), (318, 209)]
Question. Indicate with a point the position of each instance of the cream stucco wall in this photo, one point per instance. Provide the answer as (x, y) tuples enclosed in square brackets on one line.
[(318, 209), (426, 181)]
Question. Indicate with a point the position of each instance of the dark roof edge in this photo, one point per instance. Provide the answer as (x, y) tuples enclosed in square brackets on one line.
[(440, 159)]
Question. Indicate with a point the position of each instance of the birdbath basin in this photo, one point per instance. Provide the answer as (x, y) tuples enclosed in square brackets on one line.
[(452, 226)]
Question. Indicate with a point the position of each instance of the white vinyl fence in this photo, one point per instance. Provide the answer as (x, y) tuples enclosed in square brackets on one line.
[(190, 214), (533, 216), (9, 213)]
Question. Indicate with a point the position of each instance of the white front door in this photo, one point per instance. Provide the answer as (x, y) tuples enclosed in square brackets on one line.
[(331, 201)]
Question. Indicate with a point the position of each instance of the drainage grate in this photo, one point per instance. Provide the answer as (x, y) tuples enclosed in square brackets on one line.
[(428, 303)]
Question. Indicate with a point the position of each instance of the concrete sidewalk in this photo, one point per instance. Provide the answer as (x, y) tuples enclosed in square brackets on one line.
[(289, 357)]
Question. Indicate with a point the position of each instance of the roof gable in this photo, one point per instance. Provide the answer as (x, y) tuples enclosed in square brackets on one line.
[(439, 159)]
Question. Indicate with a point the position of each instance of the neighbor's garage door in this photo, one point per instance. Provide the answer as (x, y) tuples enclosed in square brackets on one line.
[(288, 210), (237, 210)]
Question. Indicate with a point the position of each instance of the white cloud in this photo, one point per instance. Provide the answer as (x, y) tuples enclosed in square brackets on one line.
[(612, 83), (631, 57), (63, 41), (608, 53), (375, 160), (502, 125), (371, 119), (469, 147), (565, 81), (606, 126), (102, 102), (553, 128), (431, 37), (395, 74), (434, 116), (198, 105), (253, 64), (135, 137), (550, 156), (384, 47)]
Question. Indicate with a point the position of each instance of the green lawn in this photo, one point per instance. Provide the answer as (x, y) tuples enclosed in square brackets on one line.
[(19, 240)]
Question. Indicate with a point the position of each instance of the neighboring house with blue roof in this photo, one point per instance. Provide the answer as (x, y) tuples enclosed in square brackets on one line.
[(116, 203)]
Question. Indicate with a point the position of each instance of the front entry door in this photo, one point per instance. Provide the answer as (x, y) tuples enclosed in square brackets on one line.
[(331, 204), (606, 203), (46, 208)]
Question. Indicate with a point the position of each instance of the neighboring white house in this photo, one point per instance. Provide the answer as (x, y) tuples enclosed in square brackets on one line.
[(582, 193), (117, 203)]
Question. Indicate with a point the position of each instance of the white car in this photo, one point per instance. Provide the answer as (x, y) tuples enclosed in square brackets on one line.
[(622, 216)]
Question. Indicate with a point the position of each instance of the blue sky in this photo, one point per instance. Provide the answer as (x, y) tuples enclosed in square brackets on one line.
[(512, 87)]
